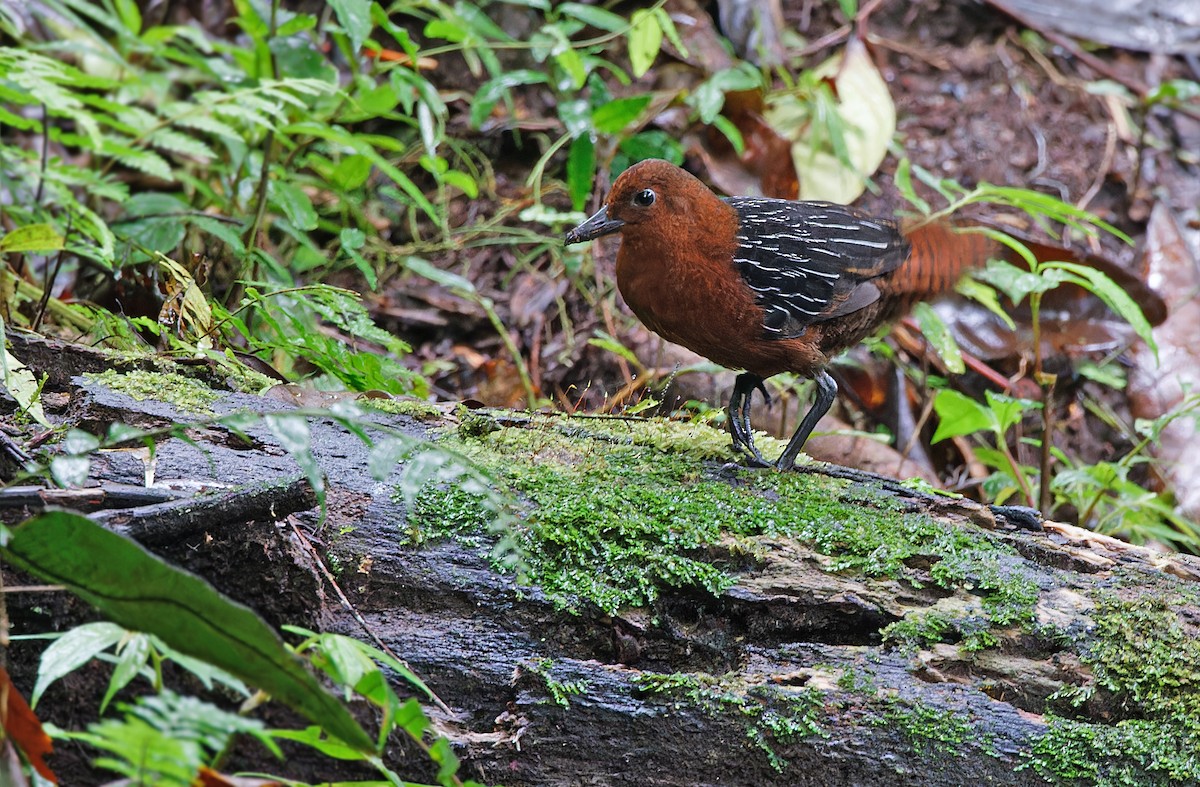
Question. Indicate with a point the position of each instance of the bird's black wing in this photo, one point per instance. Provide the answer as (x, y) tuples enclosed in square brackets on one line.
[(811, 261)]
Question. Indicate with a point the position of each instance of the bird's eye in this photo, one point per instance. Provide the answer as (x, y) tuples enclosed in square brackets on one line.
[(644, 198)]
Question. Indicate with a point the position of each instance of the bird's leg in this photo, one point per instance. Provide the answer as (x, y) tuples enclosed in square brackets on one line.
[(739, 415), (826, 391)]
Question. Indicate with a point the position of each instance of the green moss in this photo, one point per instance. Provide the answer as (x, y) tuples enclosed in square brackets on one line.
[(929, 729), (187, 394), (1145, 663), (414, 408), (918, 630), (560, 691), (613, 519), (772, 714)]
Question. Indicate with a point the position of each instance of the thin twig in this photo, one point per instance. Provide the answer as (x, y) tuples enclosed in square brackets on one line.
[(316, 556)]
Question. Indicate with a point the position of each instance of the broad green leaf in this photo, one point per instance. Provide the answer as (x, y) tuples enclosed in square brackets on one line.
[(645, 41), (71, 651), (1113, 296), (297, 24), (355, 18), (1016, 283), (131, 15), (982, 293), (446, 30), (463, 182), (32, 237), (351, 172), (613, 117), (959, 415), (294, 204), (1008, 411), (137, 590), (494, 89), (352, 238), (939, 337), (581, 167), (18, 379), (572, 63), (156, 221)]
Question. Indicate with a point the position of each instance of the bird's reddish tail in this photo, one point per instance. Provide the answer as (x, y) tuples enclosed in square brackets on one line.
[(944, 251), (941, 254)]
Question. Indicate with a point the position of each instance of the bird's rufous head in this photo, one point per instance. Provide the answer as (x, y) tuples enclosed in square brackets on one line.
[(654, 193)]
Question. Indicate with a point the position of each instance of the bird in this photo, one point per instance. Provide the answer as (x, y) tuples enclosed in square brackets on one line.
[(766, 285)]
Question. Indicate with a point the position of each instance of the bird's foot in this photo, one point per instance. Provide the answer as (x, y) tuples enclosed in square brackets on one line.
[(749, 450)]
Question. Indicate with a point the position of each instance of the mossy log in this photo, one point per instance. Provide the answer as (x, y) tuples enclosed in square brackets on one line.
[(622, 605)]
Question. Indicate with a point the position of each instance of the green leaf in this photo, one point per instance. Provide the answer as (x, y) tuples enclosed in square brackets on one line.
[(351, 172), (491, 91), (606, 342), (446, 30), (294, 435), (32, 237), (294, 203), (571, 62), (156, 221), (646, 144), (352, 238), (463, 182), (355, 18), (581, 167), (959, 415), (137, 590), (297, 24), (903, 181), (939, 337), (645, 41), (982, 293), (134, 654), (130, 15), (451, 281), (668, 27), (613, 117), (596, 17), (731, 132), (1099, 284), (71, 651), (1015, 282), (1008, 411)]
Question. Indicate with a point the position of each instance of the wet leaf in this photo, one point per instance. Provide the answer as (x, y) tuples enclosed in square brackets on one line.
[(581, 167), (355, 18), (72, 650), (613, 117), (31, 237), (959, 415), (18, 379), (939, 337), (645, 41)]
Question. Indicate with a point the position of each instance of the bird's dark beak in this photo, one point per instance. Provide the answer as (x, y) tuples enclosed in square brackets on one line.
[(597, 225)]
